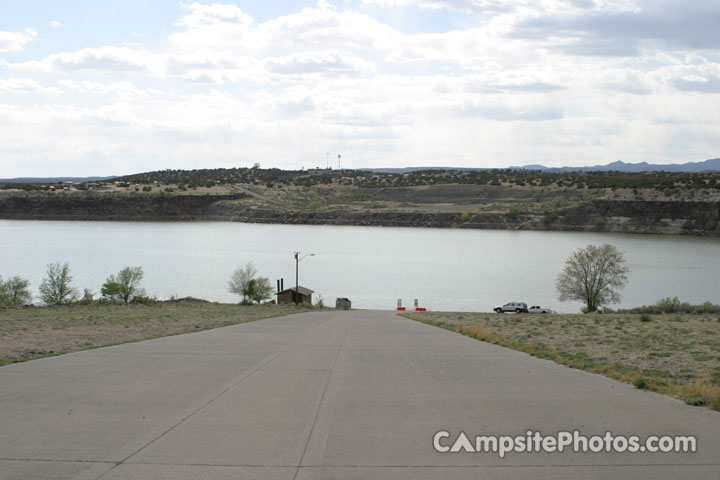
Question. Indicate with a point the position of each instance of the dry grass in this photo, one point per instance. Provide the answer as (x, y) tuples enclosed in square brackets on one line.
[(31, 332), (677, 355)]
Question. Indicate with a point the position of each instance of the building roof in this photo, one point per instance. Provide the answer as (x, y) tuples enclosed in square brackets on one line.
[(301, 290)]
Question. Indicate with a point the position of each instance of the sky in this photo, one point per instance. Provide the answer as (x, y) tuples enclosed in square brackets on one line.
[(119, 87)]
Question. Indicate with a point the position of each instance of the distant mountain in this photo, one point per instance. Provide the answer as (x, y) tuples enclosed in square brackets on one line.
[(53, 179), (712, 165)]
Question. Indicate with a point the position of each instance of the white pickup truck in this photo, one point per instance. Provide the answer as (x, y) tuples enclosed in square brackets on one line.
[(539, 309)]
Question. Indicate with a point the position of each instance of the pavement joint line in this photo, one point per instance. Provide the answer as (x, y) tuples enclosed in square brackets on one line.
[(322, 397), (249, 465), (53, 460), (247, 373)]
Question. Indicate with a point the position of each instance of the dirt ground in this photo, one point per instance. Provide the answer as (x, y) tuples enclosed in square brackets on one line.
[(34, 332)]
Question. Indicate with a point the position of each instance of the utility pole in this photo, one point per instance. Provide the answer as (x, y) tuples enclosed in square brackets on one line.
[(339, 167), (297, 284), (327, 161)]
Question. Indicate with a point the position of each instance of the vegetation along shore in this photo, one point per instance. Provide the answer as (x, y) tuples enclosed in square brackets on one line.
[(624, 202)]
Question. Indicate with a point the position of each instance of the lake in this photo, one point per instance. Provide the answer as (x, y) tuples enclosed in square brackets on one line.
[(459, 270)]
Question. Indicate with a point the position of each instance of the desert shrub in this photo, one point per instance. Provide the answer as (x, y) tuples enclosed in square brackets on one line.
[(641, 383), (697, 401), (143, 300), (88, 297), (673, 305)]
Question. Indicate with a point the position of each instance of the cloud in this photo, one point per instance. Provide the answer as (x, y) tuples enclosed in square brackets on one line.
[(213, 14), (702, 78), (108, 59), (626, 31), (468, 6), (318, 62), (510, 6), (626, 80), (509, 110), (14, 41), (308, 28), (124, 90), (24, 85), (55, 24)]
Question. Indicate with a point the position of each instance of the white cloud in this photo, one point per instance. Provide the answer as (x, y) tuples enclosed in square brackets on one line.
[(213, 14), (108, 59), (470, 6), (55, 24), (702, 78), (24, 85), (319, 62), (14, 41)]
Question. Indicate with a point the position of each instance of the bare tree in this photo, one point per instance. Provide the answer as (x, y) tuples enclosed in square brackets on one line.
[(242, 281), (593, 275), (55, 289)]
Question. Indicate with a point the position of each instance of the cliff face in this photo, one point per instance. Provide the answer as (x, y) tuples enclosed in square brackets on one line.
[(651, 217), (666, 218), (107, 206)]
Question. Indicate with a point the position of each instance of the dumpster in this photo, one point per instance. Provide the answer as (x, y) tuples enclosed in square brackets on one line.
[(343, 303)]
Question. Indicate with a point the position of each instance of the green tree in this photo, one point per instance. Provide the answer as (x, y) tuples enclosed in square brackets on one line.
[(55, 288), (261, 289), (112, 290), (242, 282), (593, 275), (14, 292), (125, 286)]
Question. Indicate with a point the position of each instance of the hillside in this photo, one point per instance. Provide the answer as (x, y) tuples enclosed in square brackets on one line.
[(653, 202)]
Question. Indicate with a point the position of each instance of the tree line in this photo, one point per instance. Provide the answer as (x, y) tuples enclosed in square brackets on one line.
[(593, 275), (121, 288), (56, 288)]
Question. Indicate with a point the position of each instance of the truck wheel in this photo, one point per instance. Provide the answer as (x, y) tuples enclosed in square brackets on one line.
[(517, 310)]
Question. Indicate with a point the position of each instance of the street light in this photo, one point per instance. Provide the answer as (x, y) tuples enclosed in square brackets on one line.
[(297, 285)]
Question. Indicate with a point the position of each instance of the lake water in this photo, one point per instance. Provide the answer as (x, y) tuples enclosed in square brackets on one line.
[(460, 270)]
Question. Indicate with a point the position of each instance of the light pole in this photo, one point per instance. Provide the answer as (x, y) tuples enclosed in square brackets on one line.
[(297, 285)]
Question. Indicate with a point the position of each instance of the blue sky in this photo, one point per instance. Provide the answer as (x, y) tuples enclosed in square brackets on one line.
[(117, 87)]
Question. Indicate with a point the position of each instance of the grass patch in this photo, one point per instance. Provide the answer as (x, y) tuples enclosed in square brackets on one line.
[(654, 359), (27, 333)]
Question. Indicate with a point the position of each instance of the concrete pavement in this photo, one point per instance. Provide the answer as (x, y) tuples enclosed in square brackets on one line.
[(326, 395)]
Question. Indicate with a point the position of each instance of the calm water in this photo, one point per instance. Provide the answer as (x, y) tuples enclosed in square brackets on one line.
[(463, 270)]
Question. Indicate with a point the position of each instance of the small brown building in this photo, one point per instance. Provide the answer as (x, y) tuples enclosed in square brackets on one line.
[(289, 295)]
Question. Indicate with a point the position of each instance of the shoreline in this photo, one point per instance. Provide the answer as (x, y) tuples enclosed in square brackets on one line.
[(646, 217)]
